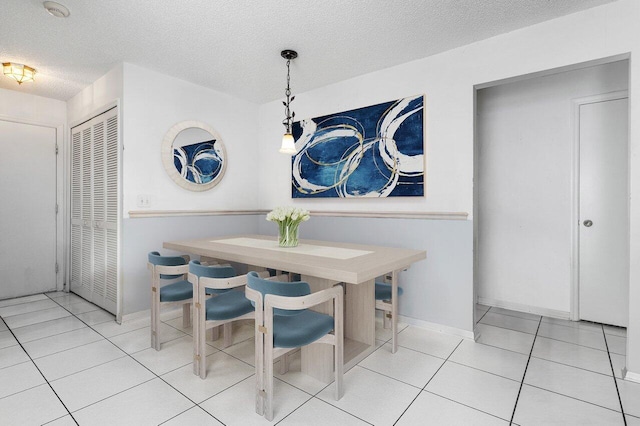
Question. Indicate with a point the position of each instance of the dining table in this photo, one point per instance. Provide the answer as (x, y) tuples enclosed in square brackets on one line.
[(322, 264)]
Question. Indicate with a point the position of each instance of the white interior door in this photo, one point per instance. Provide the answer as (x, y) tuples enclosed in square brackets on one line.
[(604, 212), (28, 209)]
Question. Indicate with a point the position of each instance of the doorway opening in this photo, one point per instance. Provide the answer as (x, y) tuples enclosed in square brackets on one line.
[(526, 188)]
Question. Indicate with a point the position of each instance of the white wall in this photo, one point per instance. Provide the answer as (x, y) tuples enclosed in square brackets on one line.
[(105, 90), (525, 143), (153, 103), (22, 106), (448, 80)]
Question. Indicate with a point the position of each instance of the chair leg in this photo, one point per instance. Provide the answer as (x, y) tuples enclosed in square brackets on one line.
[(385, 319), (339, 364), (259, 360), (228, 335), (268, 365), (186, 315), (203, 349), (155, 324), (394, 311)]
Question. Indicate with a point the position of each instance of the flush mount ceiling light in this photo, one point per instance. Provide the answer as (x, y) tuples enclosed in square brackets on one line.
[(288, 144), (56, 9), (20, 73)]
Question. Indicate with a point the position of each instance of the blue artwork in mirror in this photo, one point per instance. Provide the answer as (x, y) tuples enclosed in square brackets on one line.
[(199, 162), (375, 151)]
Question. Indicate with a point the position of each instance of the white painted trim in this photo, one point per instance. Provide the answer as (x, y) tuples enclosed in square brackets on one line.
[(138, 315), (453, 331), (62, 194), (630, 376), (134, 214), (120, 282), (553, 313), (96, 112), (544, 73), (574, 274), (476, 332)]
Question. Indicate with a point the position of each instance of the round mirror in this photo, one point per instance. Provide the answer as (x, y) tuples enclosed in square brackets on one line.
[(194, 156)]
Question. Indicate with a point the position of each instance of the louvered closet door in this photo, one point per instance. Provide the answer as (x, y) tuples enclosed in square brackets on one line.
[(94, 210)]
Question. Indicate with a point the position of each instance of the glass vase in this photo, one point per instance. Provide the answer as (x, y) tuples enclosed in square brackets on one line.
[(288, 235)]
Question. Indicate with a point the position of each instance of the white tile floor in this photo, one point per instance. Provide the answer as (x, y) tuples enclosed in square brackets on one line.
[(63, 361)]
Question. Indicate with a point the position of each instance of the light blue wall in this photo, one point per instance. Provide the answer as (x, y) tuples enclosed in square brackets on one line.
[(142, 235), (438, 289)]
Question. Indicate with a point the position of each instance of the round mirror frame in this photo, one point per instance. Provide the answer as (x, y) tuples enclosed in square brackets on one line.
[(167, 155)]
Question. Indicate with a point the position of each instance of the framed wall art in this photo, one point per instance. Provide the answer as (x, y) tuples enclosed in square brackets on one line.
[(375, 151)]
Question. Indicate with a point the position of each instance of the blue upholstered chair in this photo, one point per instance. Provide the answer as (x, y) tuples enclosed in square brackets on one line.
[(387, 302), (283, 323), (226, 304), (177, 292)]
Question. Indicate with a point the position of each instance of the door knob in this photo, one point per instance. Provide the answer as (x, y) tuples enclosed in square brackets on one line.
[(587, 223)]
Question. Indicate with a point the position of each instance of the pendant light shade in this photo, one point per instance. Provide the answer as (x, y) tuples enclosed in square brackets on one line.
[(20, 73), (288, 143)]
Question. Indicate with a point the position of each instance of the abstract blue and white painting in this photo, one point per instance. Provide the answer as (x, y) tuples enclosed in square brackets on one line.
[(200, 162), (375, 151)]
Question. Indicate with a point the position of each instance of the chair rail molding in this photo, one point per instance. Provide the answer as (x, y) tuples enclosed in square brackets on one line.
[(136, 214)]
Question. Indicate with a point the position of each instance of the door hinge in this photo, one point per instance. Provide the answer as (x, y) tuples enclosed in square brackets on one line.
[(56, 209), (56, 149), (57, 268)]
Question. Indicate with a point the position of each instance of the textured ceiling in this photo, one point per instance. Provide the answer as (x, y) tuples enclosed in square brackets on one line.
[(234, 45)]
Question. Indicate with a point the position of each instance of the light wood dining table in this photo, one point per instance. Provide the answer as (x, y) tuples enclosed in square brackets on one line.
[(322, 264)]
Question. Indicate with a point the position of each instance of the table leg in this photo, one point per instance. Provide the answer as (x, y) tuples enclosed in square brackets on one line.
[(317, 359), (360, 313), (394, 311)]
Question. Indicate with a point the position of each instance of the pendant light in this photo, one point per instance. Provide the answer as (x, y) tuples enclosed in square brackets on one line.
[(288, 143)]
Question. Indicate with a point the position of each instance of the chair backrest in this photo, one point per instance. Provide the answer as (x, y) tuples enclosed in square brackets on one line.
[(211, 271), (287, 289), (156, 259)]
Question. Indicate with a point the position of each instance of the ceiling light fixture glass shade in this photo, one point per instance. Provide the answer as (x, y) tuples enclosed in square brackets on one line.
[(288, 143), (20, 73)]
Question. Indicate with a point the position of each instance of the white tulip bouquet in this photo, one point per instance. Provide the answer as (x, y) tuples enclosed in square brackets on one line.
[(288, 219)]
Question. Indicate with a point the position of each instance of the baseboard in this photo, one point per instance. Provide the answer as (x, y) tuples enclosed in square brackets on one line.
[(553, 313), (630, 376), (476, 333), (437, 327), (136, 315)]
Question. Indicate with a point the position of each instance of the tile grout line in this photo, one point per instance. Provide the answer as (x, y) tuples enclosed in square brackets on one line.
[(572, 397), (129, 355), (429, 381), (483, 315), (552, 338), (513, 413), (464, 405), (43, 376), (329, 404), (613, 373), (163, 380)]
